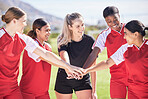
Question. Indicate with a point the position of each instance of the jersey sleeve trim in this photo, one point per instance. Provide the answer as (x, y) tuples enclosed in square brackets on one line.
[(2, 32), (101, 39), (118, 55)]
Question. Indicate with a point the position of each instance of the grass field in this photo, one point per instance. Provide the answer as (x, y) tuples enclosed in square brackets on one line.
[(103, 77)]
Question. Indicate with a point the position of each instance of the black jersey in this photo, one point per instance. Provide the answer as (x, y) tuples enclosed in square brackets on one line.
[(79, 51)]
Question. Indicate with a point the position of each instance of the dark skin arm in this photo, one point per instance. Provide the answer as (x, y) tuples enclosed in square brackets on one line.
[(91, 58)]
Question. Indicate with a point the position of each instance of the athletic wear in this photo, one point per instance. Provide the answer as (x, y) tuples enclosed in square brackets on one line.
[(136, 60), (32, 96), (112, 40), (78, 53), (10, 52), (36, 74)]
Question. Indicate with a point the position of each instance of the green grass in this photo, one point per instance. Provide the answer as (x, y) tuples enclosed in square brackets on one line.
[(103, 76)]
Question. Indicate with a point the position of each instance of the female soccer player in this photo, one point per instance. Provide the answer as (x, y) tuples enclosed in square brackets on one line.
[(35, 80), (112, 39), (12, 43), (74, 47), (135, 56)]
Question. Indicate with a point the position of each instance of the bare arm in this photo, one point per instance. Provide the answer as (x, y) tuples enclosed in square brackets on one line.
[(64, 56), (51, 58), (91, 58), (102, 65), (93, 82)]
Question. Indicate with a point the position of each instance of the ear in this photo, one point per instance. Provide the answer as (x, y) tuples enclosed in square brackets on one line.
[(14, 21), (70, 27), (136, 34), (37, 31)]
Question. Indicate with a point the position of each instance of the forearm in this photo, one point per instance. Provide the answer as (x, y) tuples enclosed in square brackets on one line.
[(101, 66), (51, 58), (93, 81), (91, 58)]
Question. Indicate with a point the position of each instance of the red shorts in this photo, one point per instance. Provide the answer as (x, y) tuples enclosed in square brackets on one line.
[(137, 92), (118, 88), (32, 96), (16, 94)]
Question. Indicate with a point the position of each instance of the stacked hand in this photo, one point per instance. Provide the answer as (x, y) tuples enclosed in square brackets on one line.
[(75, 72)]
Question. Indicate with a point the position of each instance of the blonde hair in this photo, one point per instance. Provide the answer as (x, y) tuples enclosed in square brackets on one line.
[(66, 35), (12, 13)]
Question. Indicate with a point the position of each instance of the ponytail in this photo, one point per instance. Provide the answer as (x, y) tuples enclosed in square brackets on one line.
[(144, 31), (32, 34), (3, 18)]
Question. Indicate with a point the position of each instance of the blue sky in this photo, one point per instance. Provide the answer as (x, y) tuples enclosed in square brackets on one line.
[(92, 10)]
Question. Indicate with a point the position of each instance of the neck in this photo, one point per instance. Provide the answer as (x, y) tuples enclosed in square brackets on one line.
[(77, 38), (10, 30), (139, 42), (41, 41)]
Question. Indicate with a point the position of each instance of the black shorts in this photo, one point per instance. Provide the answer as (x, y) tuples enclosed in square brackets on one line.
[(66, 86)]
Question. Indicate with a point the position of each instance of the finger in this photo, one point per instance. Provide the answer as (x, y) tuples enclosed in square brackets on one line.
[(70, 77)]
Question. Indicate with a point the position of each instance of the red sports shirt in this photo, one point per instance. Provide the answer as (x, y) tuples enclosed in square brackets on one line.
[(36, 73), (10, 51), (136, 60), (112, 40)]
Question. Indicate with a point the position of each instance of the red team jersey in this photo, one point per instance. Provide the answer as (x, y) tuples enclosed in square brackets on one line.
[(36, 73), (136, 60), (10, 51), (112, 40)]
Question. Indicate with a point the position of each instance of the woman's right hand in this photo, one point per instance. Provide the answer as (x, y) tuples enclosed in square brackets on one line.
[(76, 74)]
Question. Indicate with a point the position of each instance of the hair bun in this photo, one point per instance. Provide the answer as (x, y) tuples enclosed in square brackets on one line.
[(3, 18), (146, 30)]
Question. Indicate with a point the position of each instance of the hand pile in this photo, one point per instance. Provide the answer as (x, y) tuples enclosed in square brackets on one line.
[(75, 72)]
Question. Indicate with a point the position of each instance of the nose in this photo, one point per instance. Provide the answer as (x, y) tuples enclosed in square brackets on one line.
[(25, 24), (124, 37), (49, 32), (82, 28), (114, 22)]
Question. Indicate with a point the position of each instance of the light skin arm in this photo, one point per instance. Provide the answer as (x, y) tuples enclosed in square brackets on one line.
[(53, 59), (64, 55), (101, 66), (92, 57), (93, 82)]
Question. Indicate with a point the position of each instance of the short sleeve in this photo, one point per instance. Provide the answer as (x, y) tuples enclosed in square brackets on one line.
[(118, 55), (62, 48), (31, 45), (34, 56), (101, 39)]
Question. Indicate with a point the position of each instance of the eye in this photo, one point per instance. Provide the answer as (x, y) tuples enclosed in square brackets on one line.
[(108, 21), (83, 24), (78, 26)]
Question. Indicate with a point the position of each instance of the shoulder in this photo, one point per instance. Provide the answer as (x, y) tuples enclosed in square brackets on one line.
[(146, 42), (106, 31), (48, 45), (2, 32), (88, 37)]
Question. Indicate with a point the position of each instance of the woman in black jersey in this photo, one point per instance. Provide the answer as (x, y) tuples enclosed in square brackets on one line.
[(74, 47)]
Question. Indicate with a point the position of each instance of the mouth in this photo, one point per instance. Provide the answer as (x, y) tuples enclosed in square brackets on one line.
[(115, 26), (46, 37), (81, 32)]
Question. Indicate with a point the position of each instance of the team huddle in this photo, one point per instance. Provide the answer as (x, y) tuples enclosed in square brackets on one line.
[(127, 51)]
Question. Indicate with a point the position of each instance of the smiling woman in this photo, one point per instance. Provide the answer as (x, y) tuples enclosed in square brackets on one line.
[(74, 47), (36, 73), (12, 43)]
